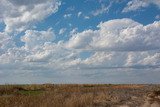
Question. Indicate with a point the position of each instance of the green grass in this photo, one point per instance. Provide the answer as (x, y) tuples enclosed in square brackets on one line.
[(30, 92)]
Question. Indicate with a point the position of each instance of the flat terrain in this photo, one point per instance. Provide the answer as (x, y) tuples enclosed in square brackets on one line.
[(84, 95)]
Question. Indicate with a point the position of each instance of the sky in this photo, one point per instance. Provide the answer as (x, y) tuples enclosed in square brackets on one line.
[(79, 41)]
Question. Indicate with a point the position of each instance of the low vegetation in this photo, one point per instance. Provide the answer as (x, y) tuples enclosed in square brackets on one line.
[(84, 95)]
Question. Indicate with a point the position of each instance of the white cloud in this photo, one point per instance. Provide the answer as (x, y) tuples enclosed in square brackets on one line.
[(40, 53), (81, 40), (102, 10), (157, 17), (121, 60), (118, 35), (117, 44), (6, 42), (114, 60), (99, 58), (12, 56), (35, 39), (73, 31), (131, 58), (18, 15), (151, 60), (79, 14), (138, 4), (67, 15), (86, 17), (62, 31)]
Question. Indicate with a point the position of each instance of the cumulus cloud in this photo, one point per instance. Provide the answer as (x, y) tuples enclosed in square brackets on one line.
[(81, 40), (39, 52), (12, 56), (33, 38), (6, 42), (104, 60), (120, 60), (118, 35), (117, 44), (99, 58), (151, 59), (138, 4), (18, 15)]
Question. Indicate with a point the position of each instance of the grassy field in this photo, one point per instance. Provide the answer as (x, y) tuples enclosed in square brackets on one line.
[(84, 95)]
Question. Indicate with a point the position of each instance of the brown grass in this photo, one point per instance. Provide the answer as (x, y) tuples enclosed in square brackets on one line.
[(49, 95), (52, 95)]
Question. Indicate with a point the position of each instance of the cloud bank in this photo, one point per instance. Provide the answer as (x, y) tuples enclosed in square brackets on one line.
[(117, 45), (118, 35)]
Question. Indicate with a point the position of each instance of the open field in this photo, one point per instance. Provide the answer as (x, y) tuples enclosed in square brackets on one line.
[(84, 95)]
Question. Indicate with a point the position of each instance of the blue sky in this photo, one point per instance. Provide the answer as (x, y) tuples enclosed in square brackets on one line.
[(79, 41), (87, 7)]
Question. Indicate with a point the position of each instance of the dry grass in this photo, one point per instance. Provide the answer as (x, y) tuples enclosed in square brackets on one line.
[(49, 95)]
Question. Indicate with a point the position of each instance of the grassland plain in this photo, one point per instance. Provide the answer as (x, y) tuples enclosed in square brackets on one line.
[(80, 95)]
